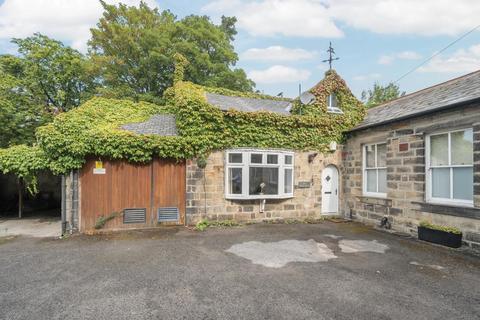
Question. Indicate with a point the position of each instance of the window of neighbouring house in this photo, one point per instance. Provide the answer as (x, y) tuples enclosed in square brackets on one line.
[(332, 104), (258, 174), (375, 170), (449, 167)]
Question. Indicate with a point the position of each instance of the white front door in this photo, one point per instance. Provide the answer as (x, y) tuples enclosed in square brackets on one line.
[(330, 190)]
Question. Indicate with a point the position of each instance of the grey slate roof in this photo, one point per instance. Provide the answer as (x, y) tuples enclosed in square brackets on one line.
[(159, 124), (440, 96), (248, 104)]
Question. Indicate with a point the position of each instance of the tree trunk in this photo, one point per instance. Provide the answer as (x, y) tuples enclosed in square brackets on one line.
[(20, 197)]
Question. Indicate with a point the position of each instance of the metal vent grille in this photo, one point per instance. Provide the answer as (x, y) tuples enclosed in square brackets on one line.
[(136, 215), (168, 214)]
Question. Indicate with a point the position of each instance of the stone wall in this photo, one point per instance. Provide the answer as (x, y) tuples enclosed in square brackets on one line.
[(405, 204), (71, 202), (206, 191)]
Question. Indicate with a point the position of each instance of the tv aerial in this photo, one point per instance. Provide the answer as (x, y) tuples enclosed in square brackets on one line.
[(307, 97)]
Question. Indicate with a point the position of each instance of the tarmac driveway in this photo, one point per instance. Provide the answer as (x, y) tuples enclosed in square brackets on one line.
[(322, 271)]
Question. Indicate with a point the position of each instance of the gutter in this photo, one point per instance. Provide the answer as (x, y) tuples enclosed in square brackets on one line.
[(418, 114)]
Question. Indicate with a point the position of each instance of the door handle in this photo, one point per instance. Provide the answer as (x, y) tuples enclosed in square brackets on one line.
[(328, 192), (336, 191)]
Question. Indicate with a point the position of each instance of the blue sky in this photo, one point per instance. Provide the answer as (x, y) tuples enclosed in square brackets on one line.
[(281, 43)]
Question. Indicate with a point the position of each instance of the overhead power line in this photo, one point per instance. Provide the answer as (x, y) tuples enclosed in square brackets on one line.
[(437, 53)]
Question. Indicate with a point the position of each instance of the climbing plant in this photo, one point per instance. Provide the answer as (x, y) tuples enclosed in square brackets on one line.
[(95, 128)]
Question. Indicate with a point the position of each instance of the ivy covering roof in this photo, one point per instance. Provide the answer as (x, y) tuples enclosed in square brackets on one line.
[(122, 129)]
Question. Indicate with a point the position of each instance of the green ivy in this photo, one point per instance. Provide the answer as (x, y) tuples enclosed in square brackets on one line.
[(94, 129), (24, 162)]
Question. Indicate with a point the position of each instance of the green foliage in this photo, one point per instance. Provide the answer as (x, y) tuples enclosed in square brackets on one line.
[(20, 112), (102, 220), (429, 225), (380, 94), (24, 162), (94, 129), (204, 224), (57, 74), (134, 48)]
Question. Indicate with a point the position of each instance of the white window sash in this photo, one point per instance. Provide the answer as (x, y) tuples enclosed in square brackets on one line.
[(428, 172), (374, 168), (247, 164)]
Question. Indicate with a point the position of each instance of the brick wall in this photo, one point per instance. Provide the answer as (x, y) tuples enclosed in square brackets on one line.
[(206, 191), (405, 204)]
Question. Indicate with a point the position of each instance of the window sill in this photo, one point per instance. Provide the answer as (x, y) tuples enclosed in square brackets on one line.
[(259, 197), (457, 210)]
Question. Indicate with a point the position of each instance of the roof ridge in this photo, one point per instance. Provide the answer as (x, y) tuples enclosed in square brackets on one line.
[(425, 89)]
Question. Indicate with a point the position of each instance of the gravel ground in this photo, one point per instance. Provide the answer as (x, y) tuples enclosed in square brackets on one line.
[(300, 271)]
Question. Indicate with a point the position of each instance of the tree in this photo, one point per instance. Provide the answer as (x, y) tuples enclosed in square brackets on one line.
[(133, 48), (21, 112), (380, 94), (57, 73)]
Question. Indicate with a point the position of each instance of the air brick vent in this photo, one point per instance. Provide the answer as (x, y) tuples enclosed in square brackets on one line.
[(136, 215), (168, 214)]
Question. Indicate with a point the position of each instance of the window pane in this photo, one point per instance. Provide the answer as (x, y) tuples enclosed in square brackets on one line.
[(372, 180), (463, 183), (462, 147), (288, 181), (272, 158), (256, 158), (439, 150), (370, 150), (235, 180), (381, 155), (288, 159), (441, 183), (234, 158), (332, 101), (267, 176), (382, 180)]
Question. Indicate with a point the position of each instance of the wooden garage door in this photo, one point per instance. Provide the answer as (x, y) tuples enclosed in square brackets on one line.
[(133, 191)]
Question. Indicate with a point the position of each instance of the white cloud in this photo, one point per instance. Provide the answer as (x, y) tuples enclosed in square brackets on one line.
[(370, 76), (301, 18), (279, 74), (66, 20), (385, 59), (277, 53), (426, 17), (404, 55), (318, 18), (409, 55), (461, 61)]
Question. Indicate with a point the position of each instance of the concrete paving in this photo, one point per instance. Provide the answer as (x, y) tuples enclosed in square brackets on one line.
[(176, 273), (31, 227)]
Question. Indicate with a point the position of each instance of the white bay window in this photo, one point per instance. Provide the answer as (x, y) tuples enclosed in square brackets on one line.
[(258, 174), (449, 167)]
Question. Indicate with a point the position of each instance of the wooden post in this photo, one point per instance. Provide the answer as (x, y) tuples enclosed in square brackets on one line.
[(20, 198)]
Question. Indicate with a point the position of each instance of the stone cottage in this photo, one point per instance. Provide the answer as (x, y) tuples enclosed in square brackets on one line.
[(418, 158), (411, 159)]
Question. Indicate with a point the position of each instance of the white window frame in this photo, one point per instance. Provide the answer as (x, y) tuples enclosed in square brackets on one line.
[(428, 172), (331, 109), (246, 164), (364, 171)]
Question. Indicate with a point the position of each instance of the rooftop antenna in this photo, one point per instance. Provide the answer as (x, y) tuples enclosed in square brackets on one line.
[(331, 53)]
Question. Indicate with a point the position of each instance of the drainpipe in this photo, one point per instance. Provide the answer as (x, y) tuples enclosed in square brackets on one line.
[(64, 206)]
